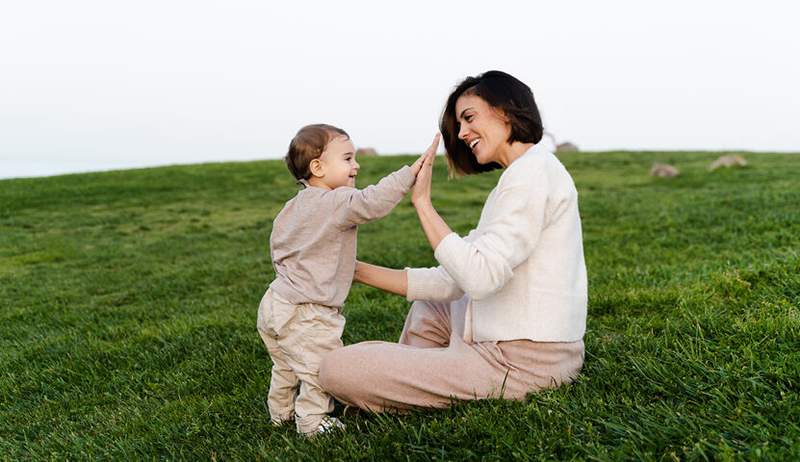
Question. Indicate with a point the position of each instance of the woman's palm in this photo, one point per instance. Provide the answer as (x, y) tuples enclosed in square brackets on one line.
[(422, 186)]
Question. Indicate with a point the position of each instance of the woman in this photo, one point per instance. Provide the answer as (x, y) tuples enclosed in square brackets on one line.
[(505, 312)]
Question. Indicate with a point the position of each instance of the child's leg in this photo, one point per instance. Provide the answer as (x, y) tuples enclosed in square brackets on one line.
[(315, 331), (272, 317), (283, 383)]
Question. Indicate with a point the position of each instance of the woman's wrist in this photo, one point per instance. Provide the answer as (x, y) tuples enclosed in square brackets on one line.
[(423, 204), (433, 225), (425, 211)]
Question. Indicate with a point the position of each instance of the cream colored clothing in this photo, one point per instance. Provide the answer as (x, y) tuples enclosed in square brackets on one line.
[(522, 267), (296, 337), (313, 240), (432, 365)]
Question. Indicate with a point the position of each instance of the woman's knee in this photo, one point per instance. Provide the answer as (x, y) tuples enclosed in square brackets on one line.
[(340, 370), (427, 325), (330, 369), (425, 314)]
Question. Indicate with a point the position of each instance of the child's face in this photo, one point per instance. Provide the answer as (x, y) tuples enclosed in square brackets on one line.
[(339, 166)]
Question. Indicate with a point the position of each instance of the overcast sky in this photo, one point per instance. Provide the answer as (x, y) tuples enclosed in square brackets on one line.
[(89, 85)]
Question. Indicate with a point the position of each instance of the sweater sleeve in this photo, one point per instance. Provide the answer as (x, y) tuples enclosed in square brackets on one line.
[(508, 237), (434, 284), (357, 206)]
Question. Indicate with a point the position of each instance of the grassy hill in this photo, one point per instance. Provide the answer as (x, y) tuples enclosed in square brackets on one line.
[(128, 303)]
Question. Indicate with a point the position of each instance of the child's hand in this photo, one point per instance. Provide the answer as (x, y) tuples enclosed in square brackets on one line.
[(431, 151)]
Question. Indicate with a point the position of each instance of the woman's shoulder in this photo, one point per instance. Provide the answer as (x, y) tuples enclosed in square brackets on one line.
[(536, 163), (537, 173)]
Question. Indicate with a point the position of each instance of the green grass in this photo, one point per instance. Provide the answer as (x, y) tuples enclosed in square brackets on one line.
[(128, 303)]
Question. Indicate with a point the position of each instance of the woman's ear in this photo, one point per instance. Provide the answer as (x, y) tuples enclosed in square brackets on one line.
[(501, 114), (316, 168)]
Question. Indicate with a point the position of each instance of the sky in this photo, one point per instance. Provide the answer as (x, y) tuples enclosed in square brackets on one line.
[(95, 85)]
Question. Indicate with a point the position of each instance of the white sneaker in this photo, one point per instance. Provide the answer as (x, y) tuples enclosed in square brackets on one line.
[(328, 424)]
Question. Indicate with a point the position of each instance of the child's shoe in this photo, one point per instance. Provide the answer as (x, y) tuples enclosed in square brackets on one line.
[(280, 422), (328, 424)]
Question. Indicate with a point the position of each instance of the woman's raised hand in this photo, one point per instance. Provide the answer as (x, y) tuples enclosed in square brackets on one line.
[(431, 151), (421, 192)]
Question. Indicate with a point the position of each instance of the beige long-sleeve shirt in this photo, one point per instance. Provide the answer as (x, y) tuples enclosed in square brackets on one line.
[(313, 240), (523, 266)]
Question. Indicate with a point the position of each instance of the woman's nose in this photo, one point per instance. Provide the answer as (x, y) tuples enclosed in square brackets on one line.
[(463, 132)]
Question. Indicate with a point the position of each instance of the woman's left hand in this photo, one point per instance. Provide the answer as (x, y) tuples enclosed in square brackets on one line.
[(421, 191)]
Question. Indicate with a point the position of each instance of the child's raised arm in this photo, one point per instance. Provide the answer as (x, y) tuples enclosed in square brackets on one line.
[(357, 206)]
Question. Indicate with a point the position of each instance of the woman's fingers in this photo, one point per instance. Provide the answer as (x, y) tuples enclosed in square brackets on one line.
[(434, 145), (430, 154), (427, 156)]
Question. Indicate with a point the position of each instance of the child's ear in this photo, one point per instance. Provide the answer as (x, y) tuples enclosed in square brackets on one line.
[(316, 168)]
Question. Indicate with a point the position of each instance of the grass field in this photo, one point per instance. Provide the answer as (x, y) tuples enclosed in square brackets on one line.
[(128, 303)]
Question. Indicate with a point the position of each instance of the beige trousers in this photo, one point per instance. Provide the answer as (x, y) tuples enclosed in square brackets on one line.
[(432, 365), (296, 337)]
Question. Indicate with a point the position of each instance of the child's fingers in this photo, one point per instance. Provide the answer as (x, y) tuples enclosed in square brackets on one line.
[(419, 162)]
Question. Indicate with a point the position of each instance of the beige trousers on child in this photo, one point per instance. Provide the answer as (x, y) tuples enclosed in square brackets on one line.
[(296, 337)]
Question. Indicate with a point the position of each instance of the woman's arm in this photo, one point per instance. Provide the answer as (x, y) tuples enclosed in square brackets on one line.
[(484, 265), (390, 280), (432, 224), (396, 281)]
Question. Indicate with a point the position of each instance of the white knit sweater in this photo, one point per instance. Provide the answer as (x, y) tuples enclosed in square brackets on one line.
[(522, 267)]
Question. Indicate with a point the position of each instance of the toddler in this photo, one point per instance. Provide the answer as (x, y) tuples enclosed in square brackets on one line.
[(313, 250)]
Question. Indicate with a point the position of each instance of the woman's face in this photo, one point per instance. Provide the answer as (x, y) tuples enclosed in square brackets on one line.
[(484, 129)]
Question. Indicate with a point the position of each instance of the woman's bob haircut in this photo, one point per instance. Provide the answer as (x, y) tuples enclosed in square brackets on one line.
[(502, 92)]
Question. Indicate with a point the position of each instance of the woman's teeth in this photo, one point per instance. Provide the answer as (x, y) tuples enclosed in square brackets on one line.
[(473, 143)]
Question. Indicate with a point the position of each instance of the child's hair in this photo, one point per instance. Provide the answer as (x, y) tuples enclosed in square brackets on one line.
[(308, 145)]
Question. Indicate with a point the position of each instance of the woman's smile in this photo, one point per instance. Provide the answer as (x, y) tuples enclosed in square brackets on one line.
[(481, 128)]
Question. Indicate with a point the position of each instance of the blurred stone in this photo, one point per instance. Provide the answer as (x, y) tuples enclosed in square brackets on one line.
[(731, 160), (566, 147), (664, 170), (366, 152)]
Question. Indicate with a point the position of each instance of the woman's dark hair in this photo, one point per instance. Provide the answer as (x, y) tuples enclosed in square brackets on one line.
[(503, 92)]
